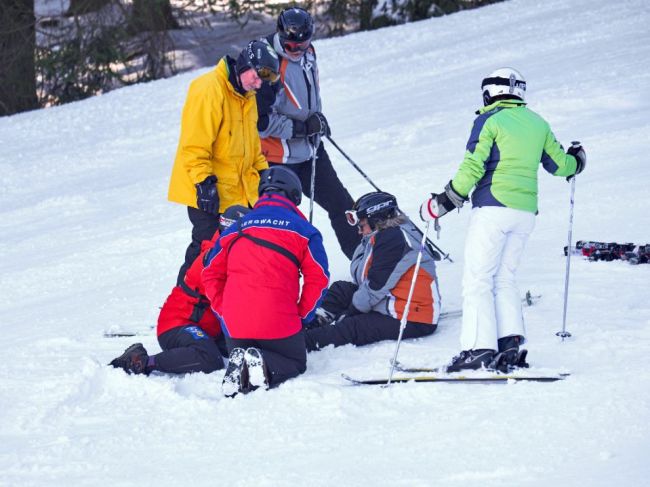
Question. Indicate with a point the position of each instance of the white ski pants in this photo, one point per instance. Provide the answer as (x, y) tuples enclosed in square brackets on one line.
[(491, 301)]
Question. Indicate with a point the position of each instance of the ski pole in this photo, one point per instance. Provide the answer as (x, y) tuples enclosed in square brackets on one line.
[(445, 255), (402, 324), (565, 334), (353, 164), (312, 184)]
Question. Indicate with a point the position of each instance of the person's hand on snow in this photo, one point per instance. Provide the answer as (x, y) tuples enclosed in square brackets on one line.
[(441, 204)]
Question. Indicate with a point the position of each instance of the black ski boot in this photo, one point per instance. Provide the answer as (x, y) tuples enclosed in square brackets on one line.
[(509, 356), (236, 376), (258, 375), (471, 360), (134, 360)]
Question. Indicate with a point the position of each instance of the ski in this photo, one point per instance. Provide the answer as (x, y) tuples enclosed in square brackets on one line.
[(121, 334), (493, 378), (440, 370)]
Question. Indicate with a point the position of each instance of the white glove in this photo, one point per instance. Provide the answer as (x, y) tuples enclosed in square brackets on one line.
[(441, 204), (430, 209)]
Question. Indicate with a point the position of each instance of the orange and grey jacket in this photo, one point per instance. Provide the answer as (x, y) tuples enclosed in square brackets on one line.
[(383, 266), (295, 97), (218, 136)]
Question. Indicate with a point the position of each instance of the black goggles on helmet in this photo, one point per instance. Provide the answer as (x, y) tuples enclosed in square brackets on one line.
[(267, 74), (514, 83)]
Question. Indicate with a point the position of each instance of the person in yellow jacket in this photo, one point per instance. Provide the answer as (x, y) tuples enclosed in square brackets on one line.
[(219, 157)]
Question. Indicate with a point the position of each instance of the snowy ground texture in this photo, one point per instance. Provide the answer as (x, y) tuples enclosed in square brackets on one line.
[(88, 243)]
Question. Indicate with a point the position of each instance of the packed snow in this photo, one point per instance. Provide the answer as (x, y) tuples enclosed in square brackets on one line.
[(89, 243)]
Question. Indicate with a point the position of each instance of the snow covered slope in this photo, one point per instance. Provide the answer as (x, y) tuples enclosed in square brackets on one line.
[(88, 242)]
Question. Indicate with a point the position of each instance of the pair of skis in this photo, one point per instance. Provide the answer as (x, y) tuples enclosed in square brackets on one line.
[(437, 374)]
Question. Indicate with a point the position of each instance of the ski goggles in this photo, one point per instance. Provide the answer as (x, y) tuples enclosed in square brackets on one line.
[(267, 74), (352, 217), (295, 46)]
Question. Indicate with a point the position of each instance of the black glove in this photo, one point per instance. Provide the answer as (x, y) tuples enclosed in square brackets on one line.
[(316, 124), (578, 152), (207, 196)]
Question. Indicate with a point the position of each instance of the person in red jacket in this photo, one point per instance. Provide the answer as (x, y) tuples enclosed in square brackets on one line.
[(188, 332), (252, 279)]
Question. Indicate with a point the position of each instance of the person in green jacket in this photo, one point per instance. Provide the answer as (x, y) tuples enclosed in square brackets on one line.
[(507, 144)]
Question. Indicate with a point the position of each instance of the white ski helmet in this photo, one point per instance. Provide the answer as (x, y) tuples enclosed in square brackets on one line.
[(504, 82)]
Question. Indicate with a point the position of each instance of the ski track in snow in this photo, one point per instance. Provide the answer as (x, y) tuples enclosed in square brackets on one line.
[(89, 243)]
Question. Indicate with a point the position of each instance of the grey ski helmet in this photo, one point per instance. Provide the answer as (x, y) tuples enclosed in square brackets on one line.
[(281, 179)]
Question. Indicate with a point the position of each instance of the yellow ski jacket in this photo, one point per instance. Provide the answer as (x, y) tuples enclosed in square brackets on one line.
[(218, 136)]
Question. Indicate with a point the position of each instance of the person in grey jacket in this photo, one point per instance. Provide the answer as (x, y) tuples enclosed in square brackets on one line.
[(369, 309), (291, 123)]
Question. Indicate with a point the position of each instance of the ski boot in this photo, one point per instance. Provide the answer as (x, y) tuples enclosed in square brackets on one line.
[(509, 356), (134, 360), (258, 375), (236, 376), (471, 360)]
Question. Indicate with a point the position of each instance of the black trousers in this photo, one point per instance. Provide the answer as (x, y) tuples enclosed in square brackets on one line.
[(285, 358), (203, 227), (358, 329), (189, 349), (331, 195)]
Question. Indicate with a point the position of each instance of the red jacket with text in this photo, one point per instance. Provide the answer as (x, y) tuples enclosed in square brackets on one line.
[(253, 274), (187, 304)]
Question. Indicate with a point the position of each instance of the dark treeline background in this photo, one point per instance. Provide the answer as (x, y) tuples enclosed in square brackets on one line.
[(98, 45)]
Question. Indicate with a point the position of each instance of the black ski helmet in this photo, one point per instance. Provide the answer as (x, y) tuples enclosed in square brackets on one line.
[(261, 57), (376, 206), (231, 215), (282, 179), (295, 24)]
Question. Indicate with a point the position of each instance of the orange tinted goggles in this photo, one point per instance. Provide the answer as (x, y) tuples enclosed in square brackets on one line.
[(268, 74)]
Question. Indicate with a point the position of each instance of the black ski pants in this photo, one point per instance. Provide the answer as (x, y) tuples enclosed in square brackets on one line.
[(189, 349), (358, 329), (203, 227), (331, 195), (285, 358)]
